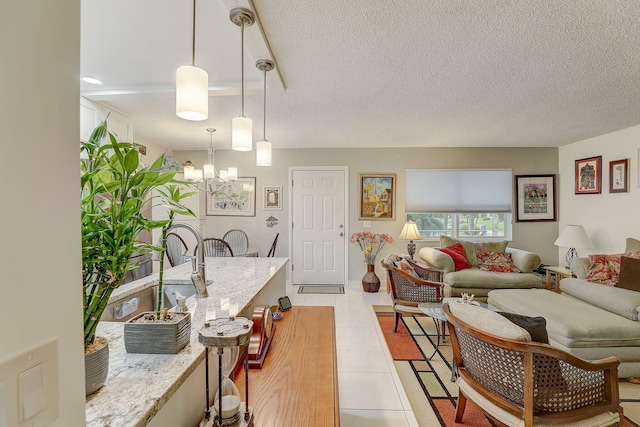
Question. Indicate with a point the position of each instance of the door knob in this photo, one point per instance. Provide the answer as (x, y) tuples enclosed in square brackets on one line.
[(341, 234)]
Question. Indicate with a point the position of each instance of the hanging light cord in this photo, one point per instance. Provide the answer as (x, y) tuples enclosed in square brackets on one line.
[(242, 61), (193, 36), (264, 124)]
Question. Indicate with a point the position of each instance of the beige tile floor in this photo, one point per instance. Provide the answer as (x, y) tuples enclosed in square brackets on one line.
[(370, 390)]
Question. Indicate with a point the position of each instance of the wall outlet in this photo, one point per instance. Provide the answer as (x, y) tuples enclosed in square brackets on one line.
[(366, 224)]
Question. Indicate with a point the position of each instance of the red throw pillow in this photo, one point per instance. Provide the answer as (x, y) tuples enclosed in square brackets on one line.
[(456, 252)]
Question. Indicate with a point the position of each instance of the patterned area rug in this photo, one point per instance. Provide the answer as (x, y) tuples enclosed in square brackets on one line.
[(428, 385)]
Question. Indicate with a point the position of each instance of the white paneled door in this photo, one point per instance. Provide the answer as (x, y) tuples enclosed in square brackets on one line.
[(319, 234)]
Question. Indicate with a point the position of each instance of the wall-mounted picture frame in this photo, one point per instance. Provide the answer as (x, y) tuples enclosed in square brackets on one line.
[(588, 175), (535, 197), (619, 176), (236, 198), (377, 196), (272, 197)]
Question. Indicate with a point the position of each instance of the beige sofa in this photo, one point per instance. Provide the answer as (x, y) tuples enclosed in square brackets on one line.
[(479, 282)]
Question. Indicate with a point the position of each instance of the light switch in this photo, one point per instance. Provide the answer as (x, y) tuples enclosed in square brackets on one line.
[(366, 224), (31, 392), (4, 400)]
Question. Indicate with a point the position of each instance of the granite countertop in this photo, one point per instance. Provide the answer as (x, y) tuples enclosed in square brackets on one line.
[(126, 399)]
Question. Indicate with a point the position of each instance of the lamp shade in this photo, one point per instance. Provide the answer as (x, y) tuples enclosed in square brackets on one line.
[(232, 174), (192, 93), (263, 153), (241, 134), (573, 236), (410, 231)]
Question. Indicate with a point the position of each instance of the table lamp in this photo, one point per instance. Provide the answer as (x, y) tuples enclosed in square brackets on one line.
[(572, 237), (410, 232)]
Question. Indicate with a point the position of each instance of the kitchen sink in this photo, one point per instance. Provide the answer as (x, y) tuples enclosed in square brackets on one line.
[(144, 300)]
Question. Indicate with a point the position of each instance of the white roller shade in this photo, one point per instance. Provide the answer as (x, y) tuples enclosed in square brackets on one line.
[(458, 190)]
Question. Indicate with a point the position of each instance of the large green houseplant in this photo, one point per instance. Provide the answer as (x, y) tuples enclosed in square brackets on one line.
[(115, 194)]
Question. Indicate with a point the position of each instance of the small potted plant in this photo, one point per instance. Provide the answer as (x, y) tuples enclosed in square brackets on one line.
[(115, 193), (370, 246)]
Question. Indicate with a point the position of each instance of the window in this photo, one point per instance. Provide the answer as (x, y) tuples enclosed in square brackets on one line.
[(461, 203)]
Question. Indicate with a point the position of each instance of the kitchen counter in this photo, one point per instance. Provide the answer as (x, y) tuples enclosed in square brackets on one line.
[(139, 385)]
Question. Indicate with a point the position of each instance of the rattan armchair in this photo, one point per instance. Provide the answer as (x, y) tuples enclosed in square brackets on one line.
[(408, 291), (525, 383)]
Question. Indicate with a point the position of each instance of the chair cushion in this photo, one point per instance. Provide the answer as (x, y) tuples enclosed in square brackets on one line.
[(457, 253), (488, 321), (470, 247)]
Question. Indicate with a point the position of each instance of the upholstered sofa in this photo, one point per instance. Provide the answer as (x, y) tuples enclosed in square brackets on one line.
[(475, 280), (587, 319)]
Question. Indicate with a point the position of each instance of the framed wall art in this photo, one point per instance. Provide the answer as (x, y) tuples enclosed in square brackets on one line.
[(589, 175), (377, 196), (272, 196), (535, 198), (235, 198), (619, 176)]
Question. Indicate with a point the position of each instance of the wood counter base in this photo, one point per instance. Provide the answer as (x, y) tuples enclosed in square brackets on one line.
[(298, 383)]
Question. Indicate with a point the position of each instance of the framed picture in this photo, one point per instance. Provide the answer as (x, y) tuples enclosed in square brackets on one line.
[(589, 175), (272, 196), (619, 176), (236, 198), (536, 198), (377, 196)]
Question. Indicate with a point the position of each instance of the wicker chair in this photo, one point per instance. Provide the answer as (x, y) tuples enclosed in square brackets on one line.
[(238, 240), (214, 247), (408, 291), (517, 382), (176, 250)]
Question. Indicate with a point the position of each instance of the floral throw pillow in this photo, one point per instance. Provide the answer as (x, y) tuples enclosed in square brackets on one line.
[(496, 261), (604, 269)]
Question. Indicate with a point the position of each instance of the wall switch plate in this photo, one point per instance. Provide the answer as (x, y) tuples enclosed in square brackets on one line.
[(29, 383), (366, 224)]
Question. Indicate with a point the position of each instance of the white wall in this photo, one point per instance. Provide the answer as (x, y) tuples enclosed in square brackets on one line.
[(39, 171), (608, 218)]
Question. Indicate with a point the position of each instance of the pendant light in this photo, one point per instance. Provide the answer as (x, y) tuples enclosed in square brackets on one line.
[(263, 148), (241, 127), (192, 85)]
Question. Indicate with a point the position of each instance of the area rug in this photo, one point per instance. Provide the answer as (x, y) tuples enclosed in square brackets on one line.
[(428, 385), (321, 289)]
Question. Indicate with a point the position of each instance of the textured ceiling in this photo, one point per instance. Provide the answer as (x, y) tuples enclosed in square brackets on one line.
[(420, 73)]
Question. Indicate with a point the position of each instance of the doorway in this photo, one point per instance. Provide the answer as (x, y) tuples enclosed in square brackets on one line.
[(319, 235)]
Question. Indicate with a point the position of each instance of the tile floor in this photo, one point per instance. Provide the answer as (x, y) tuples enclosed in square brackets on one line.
[(370, 391)]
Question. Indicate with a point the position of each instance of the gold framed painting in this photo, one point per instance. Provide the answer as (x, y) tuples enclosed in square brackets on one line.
[(377, 196)]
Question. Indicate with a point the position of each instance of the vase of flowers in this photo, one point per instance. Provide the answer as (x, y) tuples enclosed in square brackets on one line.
[(370, 246)]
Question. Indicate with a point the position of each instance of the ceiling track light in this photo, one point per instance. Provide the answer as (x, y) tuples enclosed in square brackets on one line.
[(241, 127), (263, 148), (192, 85)]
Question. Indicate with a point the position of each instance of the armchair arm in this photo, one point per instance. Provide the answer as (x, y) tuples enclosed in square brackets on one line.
[(525, 261), (580, 267), (436, 259)]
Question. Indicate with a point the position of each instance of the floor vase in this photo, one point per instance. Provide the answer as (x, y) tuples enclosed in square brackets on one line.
[(370, 282)]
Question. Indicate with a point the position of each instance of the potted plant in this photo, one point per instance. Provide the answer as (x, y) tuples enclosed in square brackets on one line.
[(115, 190), (370, 245), (161, 332)]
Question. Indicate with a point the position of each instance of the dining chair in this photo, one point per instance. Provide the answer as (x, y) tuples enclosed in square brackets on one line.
[(214, 247), (272, 251), (176, 250), (238, 241)]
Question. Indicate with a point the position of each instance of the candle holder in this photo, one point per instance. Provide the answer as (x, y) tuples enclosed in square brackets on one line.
[(225, 336)]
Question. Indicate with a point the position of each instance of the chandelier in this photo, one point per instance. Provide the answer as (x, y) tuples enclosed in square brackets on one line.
[(208, 179)]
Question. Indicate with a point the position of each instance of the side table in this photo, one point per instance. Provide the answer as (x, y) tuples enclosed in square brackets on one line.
[(558, 273)]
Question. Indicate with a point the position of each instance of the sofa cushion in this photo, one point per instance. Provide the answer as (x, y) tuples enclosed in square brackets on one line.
[(622, 302), (488, 321), (470, 247), (629, 274), (476, 278), (457, 253), (495, 261), (536, 326)]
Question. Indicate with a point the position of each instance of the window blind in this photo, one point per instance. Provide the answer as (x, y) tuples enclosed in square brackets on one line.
[(458, 190)]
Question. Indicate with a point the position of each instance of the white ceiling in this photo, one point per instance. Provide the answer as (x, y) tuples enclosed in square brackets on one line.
[(375, 73)]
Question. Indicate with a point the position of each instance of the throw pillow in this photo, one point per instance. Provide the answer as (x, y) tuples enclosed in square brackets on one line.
[(459, 257), (407, 268), (604, 269), (495, 261), (470, 247), (536, 326), (629, 274)]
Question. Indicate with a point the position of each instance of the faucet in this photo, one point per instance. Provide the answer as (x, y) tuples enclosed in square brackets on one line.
[(198, 277)]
